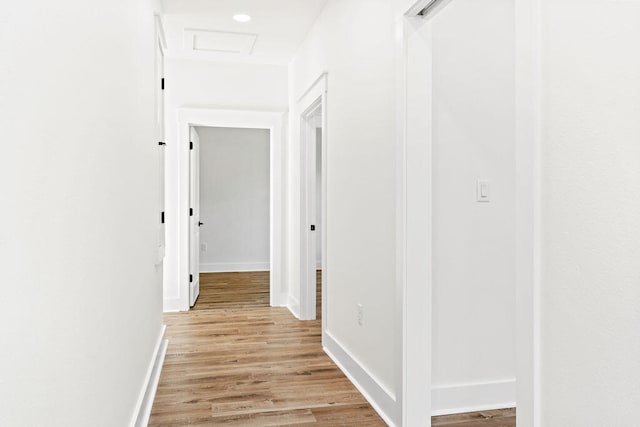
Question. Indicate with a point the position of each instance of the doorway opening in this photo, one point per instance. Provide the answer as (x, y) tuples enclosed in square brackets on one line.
[(190, 223), (229, 225), (466, 211), (313, 200)]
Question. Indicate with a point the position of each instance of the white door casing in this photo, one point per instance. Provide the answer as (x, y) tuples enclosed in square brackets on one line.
[(414, 211), (215, 117), (313, 100)]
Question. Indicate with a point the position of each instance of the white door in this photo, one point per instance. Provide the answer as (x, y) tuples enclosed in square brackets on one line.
[(161, 152), (194, 218)]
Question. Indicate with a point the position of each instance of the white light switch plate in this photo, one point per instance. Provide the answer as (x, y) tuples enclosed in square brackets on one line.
[(483, 191)]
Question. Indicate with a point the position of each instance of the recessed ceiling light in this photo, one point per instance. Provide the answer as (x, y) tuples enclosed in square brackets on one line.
[(241, 17)]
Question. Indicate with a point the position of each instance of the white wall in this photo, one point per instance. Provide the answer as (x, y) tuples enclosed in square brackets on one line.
[(473, 242), (590, 213), (354, 42), (234, 199), (216, 85), (81, 302)]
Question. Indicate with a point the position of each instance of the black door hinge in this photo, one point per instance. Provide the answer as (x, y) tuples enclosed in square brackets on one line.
[(162, 143), (190, 145), (190, 211), (162, 83), (191, 278), (162, 217), (313, 228)]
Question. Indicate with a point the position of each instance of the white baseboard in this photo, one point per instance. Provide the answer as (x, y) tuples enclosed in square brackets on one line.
[(170, 305), (152, 377), (279, 300), (381, 399), (293, 304), (461, 398), (232, 267)]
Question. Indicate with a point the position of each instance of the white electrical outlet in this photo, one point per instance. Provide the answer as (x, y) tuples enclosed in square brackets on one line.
[(203, 247), (360, 315)]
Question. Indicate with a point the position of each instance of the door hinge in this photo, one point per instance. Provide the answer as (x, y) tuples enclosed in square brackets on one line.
[(190, 211), (313, 227), (162, 143), (162, 83), (190, 145), (191, 278), (162, 217)]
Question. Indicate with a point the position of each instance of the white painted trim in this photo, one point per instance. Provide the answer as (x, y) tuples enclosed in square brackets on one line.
[(314, 97), (528, 215), (171, 305), (462, 398), (162, 39), (399, 336), (380, 398), (293, 304), (152, 377), (233, 267), (248, 119), (413, 240)]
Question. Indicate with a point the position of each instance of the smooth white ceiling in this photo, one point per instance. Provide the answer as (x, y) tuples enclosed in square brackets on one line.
[(280, 27)]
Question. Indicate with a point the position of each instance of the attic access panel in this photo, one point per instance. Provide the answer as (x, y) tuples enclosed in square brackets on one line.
[(219, 42)]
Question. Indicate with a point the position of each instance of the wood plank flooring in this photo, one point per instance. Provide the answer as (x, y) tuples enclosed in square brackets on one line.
[(235, 361), (497, 418)]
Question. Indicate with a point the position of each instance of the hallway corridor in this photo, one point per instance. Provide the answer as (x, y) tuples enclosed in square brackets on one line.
[(234, 360)]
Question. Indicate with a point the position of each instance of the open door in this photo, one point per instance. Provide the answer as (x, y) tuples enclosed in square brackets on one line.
[(194, 217), (159, 131)]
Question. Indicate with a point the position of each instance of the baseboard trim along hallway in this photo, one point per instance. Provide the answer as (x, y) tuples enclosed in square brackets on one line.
[(380, 399), (152, 378), (232, 267), (462, 398)]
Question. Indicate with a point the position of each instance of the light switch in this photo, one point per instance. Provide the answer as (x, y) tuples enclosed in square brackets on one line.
[(483, 191)]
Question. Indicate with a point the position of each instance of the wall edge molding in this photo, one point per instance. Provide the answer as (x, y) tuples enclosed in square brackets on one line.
[(473, 397), (234, 267), (170, 305), (384, 403), (144, 404), (293, 304)]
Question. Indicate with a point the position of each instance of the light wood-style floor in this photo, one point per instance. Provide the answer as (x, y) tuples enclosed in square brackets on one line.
[(497, 418), (235, 361)]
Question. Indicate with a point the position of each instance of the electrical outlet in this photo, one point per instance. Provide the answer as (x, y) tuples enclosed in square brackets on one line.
[(203, 247), (360, 315)]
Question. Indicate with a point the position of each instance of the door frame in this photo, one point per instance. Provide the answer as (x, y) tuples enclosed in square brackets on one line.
[(229, 118), (415, 215), (315, 97)]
